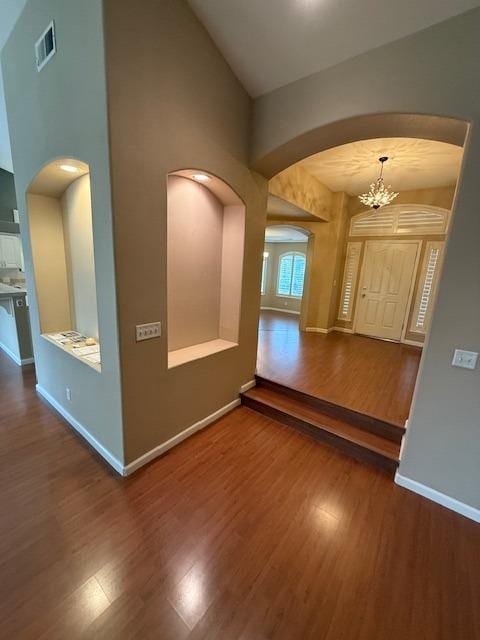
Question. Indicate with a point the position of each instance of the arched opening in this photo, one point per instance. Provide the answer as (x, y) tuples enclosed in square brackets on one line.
[(205, 244), (285, 269), (59, 210), (374, 273)]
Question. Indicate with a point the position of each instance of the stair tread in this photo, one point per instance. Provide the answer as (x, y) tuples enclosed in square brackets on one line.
[(400, 428), (332, 425)]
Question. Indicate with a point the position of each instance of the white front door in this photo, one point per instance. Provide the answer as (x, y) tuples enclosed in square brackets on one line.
[(387, 278)]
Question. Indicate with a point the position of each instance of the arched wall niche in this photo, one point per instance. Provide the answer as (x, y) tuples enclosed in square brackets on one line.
[(363, 127), (205, 246), (59, 213)]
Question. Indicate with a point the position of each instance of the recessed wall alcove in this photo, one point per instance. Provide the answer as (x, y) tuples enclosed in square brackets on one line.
[(206, 230), (60, 223)]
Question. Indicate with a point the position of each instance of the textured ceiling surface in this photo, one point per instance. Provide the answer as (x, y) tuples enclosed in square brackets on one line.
[(269, 43), (413, 164)]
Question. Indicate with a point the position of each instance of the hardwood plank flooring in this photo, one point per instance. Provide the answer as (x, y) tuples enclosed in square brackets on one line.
[(371, 376), (246, 531)]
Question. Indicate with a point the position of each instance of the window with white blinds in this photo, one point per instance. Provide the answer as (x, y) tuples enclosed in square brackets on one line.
[(401, 219), (352, 261), (264, 273), (423, 307), (291, 274)]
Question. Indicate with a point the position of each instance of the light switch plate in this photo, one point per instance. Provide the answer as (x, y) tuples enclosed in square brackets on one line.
[(465, 359), (148, 331)]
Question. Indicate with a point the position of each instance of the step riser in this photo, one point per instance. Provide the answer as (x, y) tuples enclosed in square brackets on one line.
[(349, 448), (367, 423)]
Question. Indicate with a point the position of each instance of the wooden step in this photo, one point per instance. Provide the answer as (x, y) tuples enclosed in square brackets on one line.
[(350, 439), (364, 421)]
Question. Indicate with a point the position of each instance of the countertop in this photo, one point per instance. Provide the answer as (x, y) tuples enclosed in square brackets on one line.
[(6, 291)]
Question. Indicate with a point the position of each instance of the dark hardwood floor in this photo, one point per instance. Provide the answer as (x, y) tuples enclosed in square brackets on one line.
[(246, 531), (370, 376)]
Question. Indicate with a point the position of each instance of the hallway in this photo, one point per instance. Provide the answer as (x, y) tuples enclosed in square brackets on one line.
[(371, 376)]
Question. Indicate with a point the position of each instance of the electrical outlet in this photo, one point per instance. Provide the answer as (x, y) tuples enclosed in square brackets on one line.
[(148, 331), (68, 393), (465, 359)]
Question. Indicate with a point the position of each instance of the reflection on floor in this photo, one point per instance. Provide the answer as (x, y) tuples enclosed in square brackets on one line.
[(373, 377), (248, 530)]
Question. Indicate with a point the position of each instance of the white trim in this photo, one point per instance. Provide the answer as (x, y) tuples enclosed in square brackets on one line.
[(247, 386), (183, 435), (126, 470), (297, 313), (317, 330), (14, 357), (105, 453), (413, 343), (342, 329), (436, 496)]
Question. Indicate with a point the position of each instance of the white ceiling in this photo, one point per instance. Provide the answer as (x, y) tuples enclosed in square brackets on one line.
[(412, 164), (270, 43), (284, 233), (9, 12)]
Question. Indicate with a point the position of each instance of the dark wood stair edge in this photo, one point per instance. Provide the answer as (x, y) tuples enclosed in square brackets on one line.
[(347, 447), (377, 426)]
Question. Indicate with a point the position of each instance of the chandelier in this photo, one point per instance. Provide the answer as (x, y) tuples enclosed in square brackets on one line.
[(379, 195)]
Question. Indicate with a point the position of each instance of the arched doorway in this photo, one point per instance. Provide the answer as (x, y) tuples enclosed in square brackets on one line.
[(353, 364), (286, 267)]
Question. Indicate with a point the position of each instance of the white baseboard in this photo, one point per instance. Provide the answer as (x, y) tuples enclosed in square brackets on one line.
[(126, 470), (183, 435), (14, 356), (317, 330), (413, 343), (105, 453), (297, 313), (440, 498), (342, 329), (247, 386)]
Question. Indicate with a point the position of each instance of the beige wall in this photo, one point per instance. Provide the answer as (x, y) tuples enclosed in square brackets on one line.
[(78, 234), (184, 110), (270, 298), (58, 113), (415, 75)]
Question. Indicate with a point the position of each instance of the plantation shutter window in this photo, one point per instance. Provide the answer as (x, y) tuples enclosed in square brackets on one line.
[(352, 261), (291, 274), (422, 311)]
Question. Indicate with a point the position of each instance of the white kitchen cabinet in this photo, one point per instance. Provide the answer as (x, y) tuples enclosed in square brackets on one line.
[(10, 252)]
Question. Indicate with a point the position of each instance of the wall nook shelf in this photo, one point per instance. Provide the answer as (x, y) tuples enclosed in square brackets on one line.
[(60, 224), (205, 244)]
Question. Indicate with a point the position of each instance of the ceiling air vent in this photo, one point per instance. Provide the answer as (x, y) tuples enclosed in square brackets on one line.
[(45, 47)]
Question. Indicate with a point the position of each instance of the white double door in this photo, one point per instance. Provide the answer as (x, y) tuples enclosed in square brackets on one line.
[(386, 282)]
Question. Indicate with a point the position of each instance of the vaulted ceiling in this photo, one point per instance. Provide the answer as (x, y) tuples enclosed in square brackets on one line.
[(270, 43)]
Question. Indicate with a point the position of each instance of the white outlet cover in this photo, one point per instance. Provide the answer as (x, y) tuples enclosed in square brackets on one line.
[(465, 359)]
